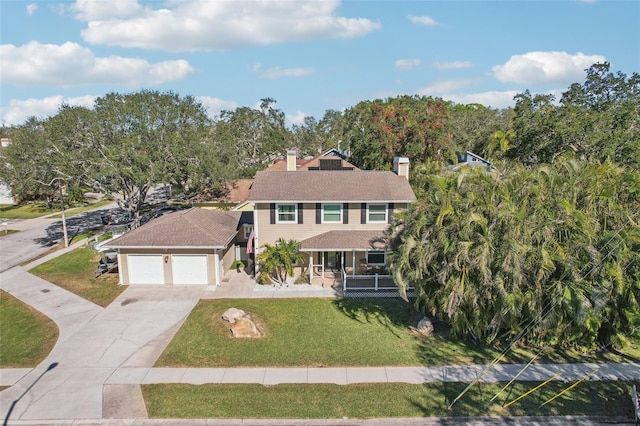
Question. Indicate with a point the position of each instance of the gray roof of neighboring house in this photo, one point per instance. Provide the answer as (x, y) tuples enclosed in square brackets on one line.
[(345, 240), (186, 228), (319, 185)]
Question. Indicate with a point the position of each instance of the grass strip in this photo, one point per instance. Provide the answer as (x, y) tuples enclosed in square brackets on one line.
[(328, 401), (74, 271), (26, 335)]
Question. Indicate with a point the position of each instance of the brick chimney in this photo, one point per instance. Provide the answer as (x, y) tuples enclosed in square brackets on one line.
[(291, 161), (401, 166)]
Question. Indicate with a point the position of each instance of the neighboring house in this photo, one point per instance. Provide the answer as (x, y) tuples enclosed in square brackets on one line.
[(470, 159), (338, 215), (194, 246), (5, 194), (331, 159)]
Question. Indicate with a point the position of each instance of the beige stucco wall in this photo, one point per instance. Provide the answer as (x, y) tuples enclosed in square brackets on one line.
[(227, 258), (269, 233)]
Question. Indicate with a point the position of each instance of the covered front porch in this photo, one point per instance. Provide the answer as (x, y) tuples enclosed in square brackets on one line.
[(353, 260)]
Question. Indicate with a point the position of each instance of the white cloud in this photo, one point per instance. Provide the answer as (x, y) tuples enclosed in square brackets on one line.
[(495, 99), (297, 118), (277, 72), (20, 109), (438, 87), (91, 10), (215, 25), (451, 65), (423, 20), (215, 106), (537, 68), (31, 8), (407, 64), (70, 65)]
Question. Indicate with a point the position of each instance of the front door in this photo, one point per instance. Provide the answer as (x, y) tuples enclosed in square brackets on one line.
[(333, 260)]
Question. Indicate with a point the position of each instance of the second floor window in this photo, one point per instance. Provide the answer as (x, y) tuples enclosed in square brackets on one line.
[(376, 213), (286, 213), (331, 213)]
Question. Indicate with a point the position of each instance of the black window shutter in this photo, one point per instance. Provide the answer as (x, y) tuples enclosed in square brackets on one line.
[(391, 206), (345, 213), (318, 213), (363, 213), (273, 213), (300, 209)]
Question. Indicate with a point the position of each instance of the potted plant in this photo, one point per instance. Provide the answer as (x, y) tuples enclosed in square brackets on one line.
[(238, 264)]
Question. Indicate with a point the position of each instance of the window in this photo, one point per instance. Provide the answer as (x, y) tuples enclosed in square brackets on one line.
[(376, 213), (286, 213), (247, 230), (376, 258), (331, 213)]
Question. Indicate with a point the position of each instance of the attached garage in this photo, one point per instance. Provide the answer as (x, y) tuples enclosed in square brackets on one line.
[(145, 269), (188, 247), (190, 269)]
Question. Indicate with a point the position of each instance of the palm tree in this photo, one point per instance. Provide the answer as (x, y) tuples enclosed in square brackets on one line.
[(278, 260)]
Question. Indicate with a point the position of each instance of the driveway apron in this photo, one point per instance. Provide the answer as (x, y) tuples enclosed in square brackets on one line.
[(84, 361)]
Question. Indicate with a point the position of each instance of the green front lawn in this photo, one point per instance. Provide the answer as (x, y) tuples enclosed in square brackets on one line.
[(334, 332), (74, 271), (26, 335), (328, 401), (26, 211), (313, 333)]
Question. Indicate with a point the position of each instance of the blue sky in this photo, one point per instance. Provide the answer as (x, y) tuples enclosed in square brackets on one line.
[(308, 56)]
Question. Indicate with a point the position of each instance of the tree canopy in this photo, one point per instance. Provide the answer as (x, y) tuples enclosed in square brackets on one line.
[(547, 255)]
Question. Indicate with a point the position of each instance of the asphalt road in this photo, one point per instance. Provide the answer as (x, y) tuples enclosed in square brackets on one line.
[(36, 236)]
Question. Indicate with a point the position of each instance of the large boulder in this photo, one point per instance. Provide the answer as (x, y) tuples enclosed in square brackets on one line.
[(231, 315), (425, 326), (245, 327)]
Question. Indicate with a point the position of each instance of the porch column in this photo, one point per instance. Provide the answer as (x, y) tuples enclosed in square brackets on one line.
[(353, 263)]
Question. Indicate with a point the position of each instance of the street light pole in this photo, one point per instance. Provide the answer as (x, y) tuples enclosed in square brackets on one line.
[(64, 221)]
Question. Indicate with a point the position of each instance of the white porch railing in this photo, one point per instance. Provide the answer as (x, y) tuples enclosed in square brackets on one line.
[(373, 282)]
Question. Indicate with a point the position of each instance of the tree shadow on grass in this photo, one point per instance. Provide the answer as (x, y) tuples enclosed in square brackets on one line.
[(392, 313), (396, 314), (591, 398)]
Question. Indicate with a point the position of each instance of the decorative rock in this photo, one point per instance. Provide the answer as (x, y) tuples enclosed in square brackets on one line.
[(425, 327), (231, 315), (244, 327)]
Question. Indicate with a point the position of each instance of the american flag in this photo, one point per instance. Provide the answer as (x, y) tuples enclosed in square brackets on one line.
[(250, 243)]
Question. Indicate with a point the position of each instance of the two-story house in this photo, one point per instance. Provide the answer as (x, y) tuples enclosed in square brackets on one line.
[(338, 214)]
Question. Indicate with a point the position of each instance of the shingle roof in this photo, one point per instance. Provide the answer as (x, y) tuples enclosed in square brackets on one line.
[(187, 228), (345, 240), (300, 186)]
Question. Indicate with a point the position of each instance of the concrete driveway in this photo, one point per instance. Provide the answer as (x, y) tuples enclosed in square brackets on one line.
[(112, 338)]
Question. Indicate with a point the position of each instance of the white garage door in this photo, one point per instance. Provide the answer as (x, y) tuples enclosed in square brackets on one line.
[(189, 269), (145, 269)]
